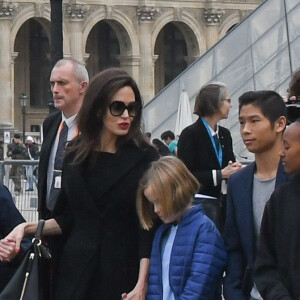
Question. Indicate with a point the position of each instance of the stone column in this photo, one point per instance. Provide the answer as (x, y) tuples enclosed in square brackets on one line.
[(131, 64), (212, 18), (6, 85), (76, 14), (146, 17)]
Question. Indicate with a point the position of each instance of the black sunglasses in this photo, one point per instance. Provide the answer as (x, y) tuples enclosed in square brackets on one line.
[(117, 108)]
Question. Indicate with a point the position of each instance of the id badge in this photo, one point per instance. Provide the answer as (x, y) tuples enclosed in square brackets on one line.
[(57, 182)]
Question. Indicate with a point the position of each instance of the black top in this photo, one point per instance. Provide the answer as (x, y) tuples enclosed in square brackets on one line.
[(100, 173), (196, 150), (96, 209)]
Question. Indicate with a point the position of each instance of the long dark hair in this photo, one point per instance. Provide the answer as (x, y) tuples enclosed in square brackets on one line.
[(90, 118)]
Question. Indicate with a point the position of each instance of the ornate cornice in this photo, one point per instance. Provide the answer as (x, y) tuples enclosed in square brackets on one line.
[(146, 13), (76, 11), (6, 9), (213, 16), (39, 10)]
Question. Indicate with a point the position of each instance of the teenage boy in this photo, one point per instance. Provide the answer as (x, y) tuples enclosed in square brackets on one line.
[(262, 116), (277, 268)]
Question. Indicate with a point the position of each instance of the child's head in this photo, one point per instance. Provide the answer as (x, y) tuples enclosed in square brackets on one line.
[(166, 190), (290, 152)]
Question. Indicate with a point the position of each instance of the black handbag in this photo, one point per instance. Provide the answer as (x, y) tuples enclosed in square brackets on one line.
[(24, 285)]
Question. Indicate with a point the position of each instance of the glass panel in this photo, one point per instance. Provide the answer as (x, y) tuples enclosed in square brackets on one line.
[(290, 4), (295, 50), (168, 104), (269, 45), (266, 17), (198, 75), (238, 72), (232, 46), (274, 73), (294, 23)]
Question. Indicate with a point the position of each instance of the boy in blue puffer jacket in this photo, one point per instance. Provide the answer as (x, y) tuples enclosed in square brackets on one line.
[(188, 255)]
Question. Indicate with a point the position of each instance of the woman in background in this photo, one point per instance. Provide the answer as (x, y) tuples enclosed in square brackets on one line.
[(206, 147)]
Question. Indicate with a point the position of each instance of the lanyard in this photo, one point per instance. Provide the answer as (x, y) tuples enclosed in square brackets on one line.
[(61, 127), (219, 153)]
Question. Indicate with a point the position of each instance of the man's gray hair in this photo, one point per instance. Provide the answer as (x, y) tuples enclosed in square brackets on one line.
[(80, 71)]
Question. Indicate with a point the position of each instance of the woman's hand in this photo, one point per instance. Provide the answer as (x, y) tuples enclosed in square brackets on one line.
[(7, 249), (230, 169), (10, 246), (138, 293), (140, 290)]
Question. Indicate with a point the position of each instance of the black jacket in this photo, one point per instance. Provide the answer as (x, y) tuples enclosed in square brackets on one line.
[(104, 240), (197, 152), (277, 267)]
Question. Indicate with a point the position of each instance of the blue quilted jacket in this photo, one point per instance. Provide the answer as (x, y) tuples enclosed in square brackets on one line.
[(197, 261)]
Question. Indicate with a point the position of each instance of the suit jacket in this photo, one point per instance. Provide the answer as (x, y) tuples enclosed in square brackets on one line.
[(277, 264), (196, 150), (50, 128), (100, 258), (9, 218), (239, 233)]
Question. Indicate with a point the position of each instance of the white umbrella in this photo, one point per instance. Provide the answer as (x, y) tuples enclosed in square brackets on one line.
[(184, 116)]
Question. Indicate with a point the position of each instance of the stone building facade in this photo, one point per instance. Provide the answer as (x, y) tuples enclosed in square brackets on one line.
[(152, 40)]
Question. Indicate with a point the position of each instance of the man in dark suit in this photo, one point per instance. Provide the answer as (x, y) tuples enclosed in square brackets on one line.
[(69, 80), (262, 116)]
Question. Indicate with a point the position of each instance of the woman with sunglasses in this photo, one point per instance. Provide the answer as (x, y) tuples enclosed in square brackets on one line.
[(106, 253)]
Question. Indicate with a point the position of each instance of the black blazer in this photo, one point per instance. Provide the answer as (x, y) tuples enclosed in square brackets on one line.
[(104, 241), (50, 127), (196, 150)]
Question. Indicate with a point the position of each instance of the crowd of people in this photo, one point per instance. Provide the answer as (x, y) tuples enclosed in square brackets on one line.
[(122, 218)]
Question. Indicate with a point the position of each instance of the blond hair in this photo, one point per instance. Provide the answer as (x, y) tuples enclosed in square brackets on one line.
[(173, 184)]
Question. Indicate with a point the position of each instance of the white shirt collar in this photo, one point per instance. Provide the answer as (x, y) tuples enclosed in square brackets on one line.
[(69, 121), (214, 132)]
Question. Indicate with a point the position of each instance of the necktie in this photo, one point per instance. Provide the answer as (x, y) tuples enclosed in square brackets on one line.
[(58, 163), (217, 142)]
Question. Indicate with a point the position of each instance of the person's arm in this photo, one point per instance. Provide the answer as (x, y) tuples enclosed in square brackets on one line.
[(228, 155), (236, 265), (208, 263), (266, 274), (10, 217), (12, 242), (140, 290)]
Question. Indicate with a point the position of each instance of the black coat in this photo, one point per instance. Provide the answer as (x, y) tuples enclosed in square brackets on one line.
[(50, 128), (277, 267), (195, 149), (100, 259)]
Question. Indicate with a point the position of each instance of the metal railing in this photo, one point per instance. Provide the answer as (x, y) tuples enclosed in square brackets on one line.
[(13, 175)]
